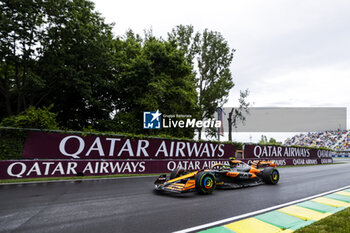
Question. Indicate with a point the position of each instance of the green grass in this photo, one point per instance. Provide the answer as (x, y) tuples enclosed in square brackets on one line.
[(336, 223), (72, 178)]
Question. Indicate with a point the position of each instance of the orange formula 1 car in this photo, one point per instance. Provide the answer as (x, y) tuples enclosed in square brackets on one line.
[(237, 174)]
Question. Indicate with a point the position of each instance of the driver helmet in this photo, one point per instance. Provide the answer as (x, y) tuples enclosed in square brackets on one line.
[(232, 164)]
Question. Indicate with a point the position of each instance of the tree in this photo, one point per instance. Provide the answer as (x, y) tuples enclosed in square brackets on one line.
[(237, 115), (187, 40), (211, 54), (20, 37), (78, 64), (263, 140), (272, 140), (60, 53), (155, 76)]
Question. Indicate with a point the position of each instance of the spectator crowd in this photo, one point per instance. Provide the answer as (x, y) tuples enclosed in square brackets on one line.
[(337, 140)]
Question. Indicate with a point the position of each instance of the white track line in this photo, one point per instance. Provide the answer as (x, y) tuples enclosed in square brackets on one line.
[(220, 222)]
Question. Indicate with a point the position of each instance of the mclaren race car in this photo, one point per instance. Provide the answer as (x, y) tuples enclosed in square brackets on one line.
[(237, 174)]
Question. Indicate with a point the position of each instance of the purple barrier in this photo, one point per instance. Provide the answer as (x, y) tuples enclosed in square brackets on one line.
[(12, 169), (295, 161), (72, 155), (63, 146), (279, 152)]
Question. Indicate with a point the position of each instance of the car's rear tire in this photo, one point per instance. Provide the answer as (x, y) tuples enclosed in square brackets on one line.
[(205, 183), (270, 175), (177, 172)]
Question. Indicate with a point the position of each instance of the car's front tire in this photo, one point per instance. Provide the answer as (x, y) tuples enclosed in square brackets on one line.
[(270, 175), (205, 183)]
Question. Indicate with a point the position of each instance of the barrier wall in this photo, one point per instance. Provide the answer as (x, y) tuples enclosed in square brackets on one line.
[(60, 168), (64, 146), (56, 155), (287, 156)]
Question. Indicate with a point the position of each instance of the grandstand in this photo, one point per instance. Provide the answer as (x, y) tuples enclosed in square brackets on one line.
[(338, 140)]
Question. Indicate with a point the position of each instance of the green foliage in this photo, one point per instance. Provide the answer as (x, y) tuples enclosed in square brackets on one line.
[(56, 52), (12, 140), (210, 52), (11, 144), (263, 140), (272, 140), (20, 30), (63, 53), (78, 64), (155, 76), (187, 40), (38, 118)]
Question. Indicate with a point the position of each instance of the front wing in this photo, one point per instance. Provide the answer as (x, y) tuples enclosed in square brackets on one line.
[(177, 187)]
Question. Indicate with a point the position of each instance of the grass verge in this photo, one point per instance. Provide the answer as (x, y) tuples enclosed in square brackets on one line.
[(336, 223)]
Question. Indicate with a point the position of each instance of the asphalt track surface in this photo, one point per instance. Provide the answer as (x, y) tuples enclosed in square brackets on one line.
[(130, 205)]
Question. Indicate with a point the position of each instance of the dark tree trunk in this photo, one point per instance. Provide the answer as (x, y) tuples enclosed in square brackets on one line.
[(229, 119)]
